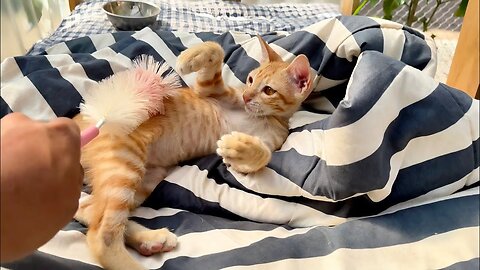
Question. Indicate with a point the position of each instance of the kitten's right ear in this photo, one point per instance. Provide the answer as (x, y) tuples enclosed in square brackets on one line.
[(268, 54), (300, 76)]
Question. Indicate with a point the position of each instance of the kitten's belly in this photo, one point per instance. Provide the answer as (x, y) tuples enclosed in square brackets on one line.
[(172, 149), (191, 132)]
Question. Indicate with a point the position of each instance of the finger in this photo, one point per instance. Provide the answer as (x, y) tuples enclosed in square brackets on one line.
[(16, 118), (70, 209), (20, 126), (76, 187), (67, 124), (74, 176), (67, 131)]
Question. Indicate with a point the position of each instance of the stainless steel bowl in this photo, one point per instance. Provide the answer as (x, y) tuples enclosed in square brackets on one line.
[(131, 15)]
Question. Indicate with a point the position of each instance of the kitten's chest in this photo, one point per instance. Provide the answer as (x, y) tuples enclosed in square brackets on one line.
[(239, 120), (234, 119)]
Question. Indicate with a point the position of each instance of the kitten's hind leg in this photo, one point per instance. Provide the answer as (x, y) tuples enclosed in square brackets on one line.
[(144, 240), (245, 153)]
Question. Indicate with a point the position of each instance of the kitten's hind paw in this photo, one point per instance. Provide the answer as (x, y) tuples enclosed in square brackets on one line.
[(149, 242)]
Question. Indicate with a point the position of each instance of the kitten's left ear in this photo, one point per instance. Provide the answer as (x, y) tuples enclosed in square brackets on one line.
[(299, 74), (268, 54)]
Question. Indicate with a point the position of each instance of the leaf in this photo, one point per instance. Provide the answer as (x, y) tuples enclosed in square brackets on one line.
[(389, 6), (460, 12), (31, 8), (15, 5), (360, 7), (33, 12)]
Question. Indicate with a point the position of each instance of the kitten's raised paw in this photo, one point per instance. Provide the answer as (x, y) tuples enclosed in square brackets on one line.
[(149, 242), (207, 56), (243, 152)]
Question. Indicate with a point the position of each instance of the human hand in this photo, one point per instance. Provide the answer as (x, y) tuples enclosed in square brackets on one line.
[(41, 180)]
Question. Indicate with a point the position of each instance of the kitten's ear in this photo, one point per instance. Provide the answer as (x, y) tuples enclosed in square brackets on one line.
[(268, 54), (299, 73)]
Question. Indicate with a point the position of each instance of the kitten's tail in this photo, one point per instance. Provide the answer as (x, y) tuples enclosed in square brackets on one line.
[(128, 98)]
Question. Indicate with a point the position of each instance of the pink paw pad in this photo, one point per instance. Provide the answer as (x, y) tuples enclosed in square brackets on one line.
[(148, 250)]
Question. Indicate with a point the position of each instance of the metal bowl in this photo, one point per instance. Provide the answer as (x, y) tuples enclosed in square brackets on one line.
[(131, 15)]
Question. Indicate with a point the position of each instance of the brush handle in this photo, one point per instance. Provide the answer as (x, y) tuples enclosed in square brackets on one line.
[(91, 132), (88, 134)]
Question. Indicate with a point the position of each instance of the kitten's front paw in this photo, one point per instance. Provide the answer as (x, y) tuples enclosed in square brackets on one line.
[(207, 56), (243, 152)]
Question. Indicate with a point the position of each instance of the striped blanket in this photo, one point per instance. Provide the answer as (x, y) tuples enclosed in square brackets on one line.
[(217, 16), (380, 170)]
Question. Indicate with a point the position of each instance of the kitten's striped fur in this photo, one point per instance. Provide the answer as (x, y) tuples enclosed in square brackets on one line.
[(242, 127)]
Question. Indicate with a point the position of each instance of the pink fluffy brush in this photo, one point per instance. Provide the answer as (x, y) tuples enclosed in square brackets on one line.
[(123, 101)]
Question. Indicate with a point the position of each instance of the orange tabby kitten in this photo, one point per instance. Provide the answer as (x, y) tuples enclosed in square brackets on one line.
[(242, 127)]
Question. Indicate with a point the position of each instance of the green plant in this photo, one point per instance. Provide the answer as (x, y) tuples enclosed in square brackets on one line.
[(389, 7), (31, 8)]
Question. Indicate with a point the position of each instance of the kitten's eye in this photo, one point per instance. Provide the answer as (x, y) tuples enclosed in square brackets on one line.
[(268, 90), (250, 80)]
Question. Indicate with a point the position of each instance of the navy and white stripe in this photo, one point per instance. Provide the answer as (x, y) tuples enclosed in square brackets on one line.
[(381, 151), (217, 16)]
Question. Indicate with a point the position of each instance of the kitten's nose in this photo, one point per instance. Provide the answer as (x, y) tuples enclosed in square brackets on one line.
[(246, 99)]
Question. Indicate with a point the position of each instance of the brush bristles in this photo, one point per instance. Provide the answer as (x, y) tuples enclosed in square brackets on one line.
[(114, 101), (150, 83), (169, 80), (128, 98)]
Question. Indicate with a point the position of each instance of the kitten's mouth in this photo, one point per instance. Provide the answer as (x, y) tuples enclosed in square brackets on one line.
[(253, 109)]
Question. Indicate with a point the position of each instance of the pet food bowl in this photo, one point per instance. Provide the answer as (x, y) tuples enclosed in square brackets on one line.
[(131, 15)]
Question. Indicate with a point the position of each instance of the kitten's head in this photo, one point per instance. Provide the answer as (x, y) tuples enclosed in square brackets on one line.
[(277, 88)]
